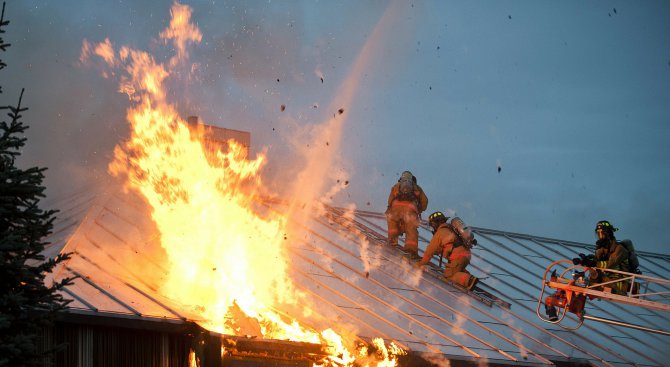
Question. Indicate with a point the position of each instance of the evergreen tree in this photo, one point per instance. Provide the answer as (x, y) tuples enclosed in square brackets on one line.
[(27, 305)]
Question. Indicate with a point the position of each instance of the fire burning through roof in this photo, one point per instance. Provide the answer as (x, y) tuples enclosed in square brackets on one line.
[(226, 255)]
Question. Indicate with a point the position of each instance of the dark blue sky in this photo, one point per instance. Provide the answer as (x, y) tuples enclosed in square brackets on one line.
[(570, 99)]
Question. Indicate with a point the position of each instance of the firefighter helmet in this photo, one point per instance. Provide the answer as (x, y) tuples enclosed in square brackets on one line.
[(435, 219), (407, 175), (606, 228)]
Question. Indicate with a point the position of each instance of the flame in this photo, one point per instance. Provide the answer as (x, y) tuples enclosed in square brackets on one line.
[(226, 258)]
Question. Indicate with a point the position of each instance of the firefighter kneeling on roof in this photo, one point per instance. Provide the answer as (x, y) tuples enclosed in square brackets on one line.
[(455, 241)]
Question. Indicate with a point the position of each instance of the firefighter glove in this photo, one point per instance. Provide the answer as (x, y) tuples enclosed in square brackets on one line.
[(589, 260), (585, 260), (579, 260)]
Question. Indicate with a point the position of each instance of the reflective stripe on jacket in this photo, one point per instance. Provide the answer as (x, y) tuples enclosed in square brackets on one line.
[(421, 198), (613, 257)]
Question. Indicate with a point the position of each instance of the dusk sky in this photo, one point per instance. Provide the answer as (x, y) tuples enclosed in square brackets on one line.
[(538, 117)]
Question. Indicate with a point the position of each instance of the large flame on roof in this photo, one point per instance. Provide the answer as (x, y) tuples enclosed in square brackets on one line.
[(225, 252)]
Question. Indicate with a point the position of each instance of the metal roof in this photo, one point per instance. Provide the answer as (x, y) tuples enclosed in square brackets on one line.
[(389, 299)]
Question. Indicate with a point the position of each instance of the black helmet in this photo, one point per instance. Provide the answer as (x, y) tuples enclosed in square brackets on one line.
[(607, 228), (435, 219)]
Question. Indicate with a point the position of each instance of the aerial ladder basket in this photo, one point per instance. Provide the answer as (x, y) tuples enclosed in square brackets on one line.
[(572, 287)]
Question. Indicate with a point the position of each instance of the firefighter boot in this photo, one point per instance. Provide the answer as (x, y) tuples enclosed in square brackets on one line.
[(551, 312), (392, 241), (412, 252), (472, 282)]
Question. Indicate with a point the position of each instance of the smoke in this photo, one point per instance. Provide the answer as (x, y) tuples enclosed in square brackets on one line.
[(413, 275), (438, 360), (458, 328), (258, 67), (370, 261), (321, 153), (73, 127), (523, 351)]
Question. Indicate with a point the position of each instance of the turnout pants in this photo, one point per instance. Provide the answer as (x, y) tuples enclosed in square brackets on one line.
[(403, 217)]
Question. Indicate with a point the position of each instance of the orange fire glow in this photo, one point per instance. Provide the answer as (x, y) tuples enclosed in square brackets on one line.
[(225, 252)]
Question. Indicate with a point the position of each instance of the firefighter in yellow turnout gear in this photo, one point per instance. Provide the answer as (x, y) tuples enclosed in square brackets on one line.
[(455, 241), (406, 202)]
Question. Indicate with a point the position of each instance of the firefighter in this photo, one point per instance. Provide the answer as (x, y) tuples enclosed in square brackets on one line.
[(610, 254), (455, 241), (406, 202)]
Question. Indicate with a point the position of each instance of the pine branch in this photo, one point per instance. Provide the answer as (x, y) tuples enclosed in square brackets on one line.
[(15, 111), (3, 22), (10, 144), (3, 45), (27, 304)]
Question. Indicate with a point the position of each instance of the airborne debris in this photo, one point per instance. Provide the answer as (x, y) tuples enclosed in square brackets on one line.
[(499, 169), (321, 79), (346, 182), (367, 274), (282, 108), (340, 111)]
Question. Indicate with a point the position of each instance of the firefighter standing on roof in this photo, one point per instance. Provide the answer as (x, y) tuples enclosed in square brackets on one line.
[(455, 241), (406, 202)]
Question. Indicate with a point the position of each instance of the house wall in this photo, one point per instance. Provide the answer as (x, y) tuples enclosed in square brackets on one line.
[(98, 345)]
